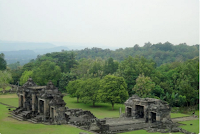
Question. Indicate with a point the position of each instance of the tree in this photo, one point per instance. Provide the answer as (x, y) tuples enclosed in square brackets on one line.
[(74, 88), (131, 67), (25, 76), (110, 66), (46, 71), (64, 80), (82, 67), (143, 86), (113, 90), (5, 78), (2, 62), (90, 90)]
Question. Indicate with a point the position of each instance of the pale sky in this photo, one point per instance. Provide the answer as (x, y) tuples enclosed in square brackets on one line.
[(115, 23)]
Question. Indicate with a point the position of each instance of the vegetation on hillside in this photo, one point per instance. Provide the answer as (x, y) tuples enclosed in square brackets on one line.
[(162, 71)]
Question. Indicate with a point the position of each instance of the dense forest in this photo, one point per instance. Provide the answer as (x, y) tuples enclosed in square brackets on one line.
[(160, 53), (164, 71)]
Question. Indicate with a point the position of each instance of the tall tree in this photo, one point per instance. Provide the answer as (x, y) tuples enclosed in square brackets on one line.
[(74, 88), (5, 79), (2, 62), (25, 76), (131, 67), (64, 80), (113, 90), (47, 71), (90, 90), (143, 86), (110, 66)]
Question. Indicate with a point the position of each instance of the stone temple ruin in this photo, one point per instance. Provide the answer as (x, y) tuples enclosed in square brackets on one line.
[(149, 109), (45, 104)]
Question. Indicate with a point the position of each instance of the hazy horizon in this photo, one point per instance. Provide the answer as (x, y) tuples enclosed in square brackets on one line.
[(112, 23)]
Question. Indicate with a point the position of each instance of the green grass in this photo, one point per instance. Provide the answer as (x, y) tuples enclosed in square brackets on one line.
[(102, 110), (176, 115), (7, 88), (11, 126), (191, 128)]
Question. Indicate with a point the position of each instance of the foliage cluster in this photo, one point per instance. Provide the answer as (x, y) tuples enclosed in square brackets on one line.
[(111, 89), (161, 52), (163, 71)]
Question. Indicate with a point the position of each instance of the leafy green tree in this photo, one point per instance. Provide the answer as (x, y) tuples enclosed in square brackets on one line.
[(113, 90), (110, 66), (131, 67), (143, 86), (64, 80), (5, 79), (14, 65), (74, 88), (82, 68), (25, 76), (2, 62), (90, 90), (46, 71)]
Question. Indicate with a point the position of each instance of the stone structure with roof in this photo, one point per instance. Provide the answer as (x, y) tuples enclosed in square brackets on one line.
[(150, 109)]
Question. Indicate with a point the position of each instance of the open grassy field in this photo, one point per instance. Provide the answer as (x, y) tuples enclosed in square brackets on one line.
[(12, 126), (9, 125), (7, 88)]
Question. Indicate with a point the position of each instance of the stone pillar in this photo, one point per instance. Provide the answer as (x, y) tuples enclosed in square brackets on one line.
[(33, 101), (54, 112), (20, 103), (50, 112), (133, 110), (45, 109), (38, 105), (24, 100), (157, 118), (145, 112)]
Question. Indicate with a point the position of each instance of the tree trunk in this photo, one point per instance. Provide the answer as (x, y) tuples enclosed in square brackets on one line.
[(93, 103), (77, 99), (4, 90), (112, 106)]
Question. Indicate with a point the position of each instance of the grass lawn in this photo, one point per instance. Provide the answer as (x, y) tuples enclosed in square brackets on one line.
[(12, 126), (192, 128), (101, 110), (176, 115), (7, 88)]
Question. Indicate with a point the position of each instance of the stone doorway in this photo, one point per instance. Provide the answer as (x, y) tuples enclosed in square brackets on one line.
[(41, 103), (52, 112), (22, 101), (139, 111), (153, 117), (129, 111), (36, 102)]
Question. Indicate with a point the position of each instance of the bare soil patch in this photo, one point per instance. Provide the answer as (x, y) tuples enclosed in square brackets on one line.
[(8, 96)]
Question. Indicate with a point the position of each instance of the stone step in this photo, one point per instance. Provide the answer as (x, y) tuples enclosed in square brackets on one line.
[(17, 118), (46, 123), (32, 121)]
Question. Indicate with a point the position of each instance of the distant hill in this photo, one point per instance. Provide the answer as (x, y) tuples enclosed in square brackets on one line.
[(25, 51), (49, 50), (15, 46), (23, 56)]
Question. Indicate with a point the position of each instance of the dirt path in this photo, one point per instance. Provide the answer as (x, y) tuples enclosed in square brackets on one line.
[(184, 119), (8, 105)]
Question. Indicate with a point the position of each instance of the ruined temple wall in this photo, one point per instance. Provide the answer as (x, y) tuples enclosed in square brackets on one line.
[(133, 108)]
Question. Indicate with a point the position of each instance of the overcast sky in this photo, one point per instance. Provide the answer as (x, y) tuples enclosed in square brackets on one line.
[(115, 23)]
